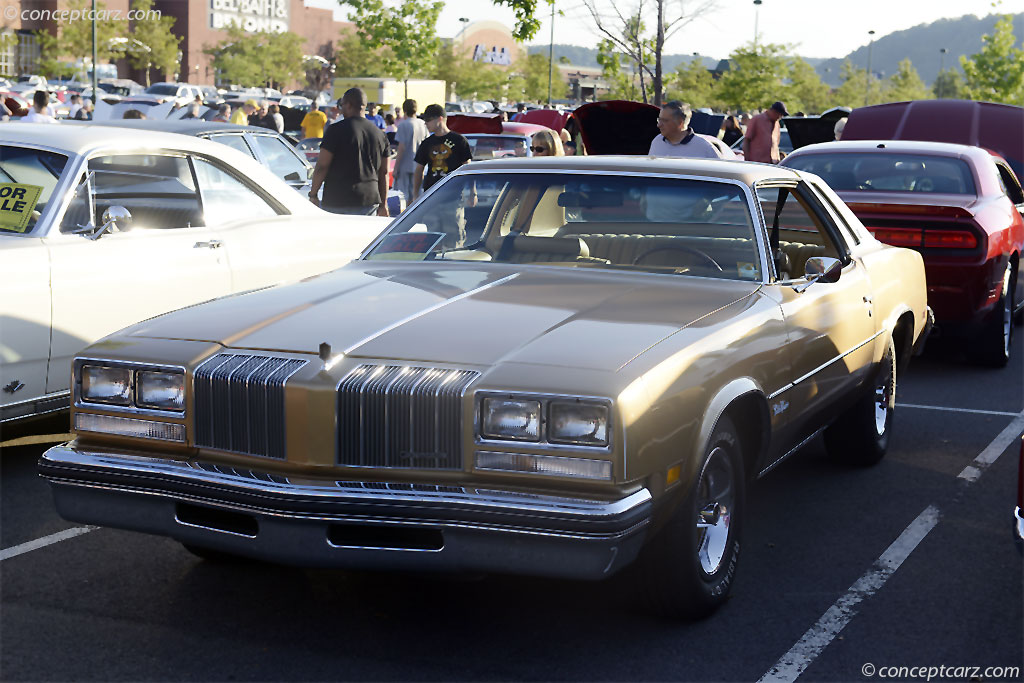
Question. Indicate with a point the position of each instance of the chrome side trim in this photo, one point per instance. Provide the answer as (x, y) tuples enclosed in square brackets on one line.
[(41, 405), (427, 311), (825, 365), (790, 452)]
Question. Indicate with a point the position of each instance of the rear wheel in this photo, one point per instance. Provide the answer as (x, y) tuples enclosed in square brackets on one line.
[(861, 435), (992, 345), (689, 567)]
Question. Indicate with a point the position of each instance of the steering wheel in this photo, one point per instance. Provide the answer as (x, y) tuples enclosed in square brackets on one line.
[(689, 250)]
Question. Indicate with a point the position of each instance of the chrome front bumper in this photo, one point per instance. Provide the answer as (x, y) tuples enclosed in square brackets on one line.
[(362, 525)]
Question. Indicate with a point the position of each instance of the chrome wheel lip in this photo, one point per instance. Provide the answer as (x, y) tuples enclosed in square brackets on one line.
[(885, 397), (716, 487), (1007, 314)]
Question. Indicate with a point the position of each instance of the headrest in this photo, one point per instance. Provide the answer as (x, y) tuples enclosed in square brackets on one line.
[(571, 246)]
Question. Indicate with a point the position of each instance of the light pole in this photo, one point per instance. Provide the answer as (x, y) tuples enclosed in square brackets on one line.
[(942, 67), (757, 12), (551, 52), (867, 80)]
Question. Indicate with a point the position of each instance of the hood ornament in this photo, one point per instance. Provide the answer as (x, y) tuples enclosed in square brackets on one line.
[(325, 356)]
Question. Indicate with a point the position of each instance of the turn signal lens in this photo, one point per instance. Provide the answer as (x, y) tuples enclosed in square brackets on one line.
[(555, 466)]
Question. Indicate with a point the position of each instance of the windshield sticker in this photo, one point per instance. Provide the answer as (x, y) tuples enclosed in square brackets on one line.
[(408, 246), (17, 202)]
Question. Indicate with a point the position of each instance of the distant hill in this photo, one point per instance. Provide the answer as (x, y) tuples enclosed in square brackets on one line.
[(920, 44)]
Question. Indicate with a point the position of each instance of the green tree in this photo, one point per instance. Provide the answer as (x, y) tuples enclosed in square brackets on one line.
[(75, 38), (905, 85), (948, 85), (806, 91), (260, 59), (405, 36), (533, 70), (353, 59), (856, 89), (621, 84), (49, 63), (527, 24), (693, 83), (471, 80), (996, 74), (755, 76), (155, 46)]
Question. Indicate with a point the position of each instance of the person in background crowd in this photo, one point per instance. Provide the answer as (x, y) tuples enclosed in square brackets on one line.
[(761, 141), (335, 114), (840, 126), (133, 114), (520, 108), (677, 139), (313, 122), (398, 114), (241, 115), (352, 166), (564, 136), (261, 117), (570, 148), (76, 104), (411, 132), (40, 109), (545, 143), (441, 153), (84, 112), (373, 117), (274, 116), (193, 111), (223, 114), (732, 131), (389, 124)]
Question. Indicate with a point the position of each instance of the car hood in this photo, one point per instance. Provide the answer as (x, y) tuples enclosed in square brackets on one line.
[(461, 314)]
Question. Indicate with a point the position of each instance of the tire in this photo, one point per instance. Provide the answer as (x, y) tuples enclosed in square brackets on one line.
[(688, 569), (861, 435), (992, 345)]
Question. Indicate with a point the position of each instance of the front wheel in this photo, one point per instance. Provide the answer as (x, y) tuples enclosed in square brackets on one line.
[(689, 567), (861, 435)]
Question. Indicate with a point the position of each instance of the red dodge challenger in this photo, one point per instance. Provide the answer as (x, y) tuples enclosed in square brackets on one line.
[(959, 206)]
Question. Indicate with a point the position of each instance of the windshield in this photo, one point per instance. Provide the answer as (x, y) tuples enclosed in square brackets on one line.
[(497, 146), (27, 180), (889, 172), (665, 225), (162, 89)]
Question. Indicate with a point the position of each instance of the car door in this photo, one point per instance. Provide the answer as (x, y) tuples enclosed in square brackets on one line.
[(164, 260), (264, 244), (283, 161), (1013, 190), (831, 326)]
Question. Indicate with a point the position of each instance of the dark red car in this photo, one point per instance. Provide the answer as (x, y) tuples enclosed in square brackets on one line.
[(959, 206)]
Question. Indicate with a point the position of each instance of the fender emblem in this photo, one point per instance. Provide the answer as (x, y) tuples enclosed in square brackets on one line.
[(14, 386), (780, 407)]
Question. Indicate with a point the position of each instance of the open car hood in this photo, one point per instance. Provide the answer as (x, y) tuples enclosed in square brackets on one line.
[(475, 123), (624, 127), (997, 127), (810, 130)]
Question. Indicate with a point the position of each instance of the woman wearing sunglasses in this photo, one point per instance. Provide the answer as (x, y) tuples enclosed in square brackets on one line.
[(546, 144)]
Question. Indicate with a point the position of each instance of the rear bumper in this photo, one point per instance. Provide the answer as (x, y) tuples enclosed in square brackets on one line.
[(348, 524)]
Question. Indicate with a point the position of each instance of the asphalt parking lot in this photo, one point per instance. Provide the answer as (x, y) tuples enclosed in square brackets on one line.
[(844, 574)]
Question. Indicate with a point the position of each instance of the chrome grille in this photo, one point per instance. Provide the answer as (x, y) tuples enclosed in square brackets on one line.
[(402, 416), (239, 403)]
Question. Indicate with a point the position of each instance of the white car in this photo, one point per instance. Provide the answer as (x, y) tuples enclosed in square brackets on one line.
[(205, 221), (182, 93)]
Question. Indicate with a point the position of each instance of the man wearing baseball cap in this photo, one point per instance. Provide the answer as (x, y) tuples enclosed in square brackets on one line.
[(761, 141)]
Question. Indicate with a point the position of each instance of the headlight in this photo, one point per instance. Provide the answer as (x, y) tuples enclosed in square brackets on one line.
[(511, 419), (106, 385), (161, 390), (573, 422)]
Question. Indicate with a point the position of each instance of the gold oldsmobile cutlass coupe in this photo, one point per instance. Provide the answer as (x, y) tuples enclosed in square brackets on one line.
[(546, 366)]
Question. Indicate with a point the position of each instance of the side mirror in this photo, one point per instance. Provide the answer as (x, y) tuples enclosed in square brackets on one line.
[(115, 219), (820, 269)]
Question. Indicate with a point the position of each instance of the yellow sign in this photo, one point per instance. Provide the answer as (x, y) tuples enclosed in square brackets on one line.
[(16, 204)]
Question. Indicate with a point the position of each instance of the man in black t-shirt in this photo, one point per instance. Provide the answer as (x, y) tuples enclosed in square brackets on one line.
[(441, 153), (353, 163)]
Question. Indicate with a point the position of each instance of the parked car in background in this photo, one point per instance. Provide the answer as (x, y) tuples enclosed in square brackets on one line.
[(310, 147), (959, 207), (182, 93), (491, 138), (118, 225), (295, 101), (268, 147), (590, 381)]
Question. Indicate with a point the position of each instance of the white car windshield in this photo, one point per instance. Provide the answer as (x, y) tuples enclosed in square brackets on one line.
[(27, 180), (654, 224)]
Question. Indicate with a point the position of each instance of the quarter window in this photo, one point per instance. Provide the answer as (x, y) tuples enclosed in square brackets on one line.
[(234, 142), (226, 198), (282, 161)]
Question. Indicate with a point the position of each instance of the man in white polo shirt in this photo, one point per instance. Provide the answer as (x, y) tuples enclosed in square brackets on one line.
[(676, 138)]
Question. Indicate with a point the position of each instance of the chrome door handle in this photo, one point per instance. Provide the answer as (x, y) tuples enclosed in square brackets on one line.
[(212, 244), (867, 299)]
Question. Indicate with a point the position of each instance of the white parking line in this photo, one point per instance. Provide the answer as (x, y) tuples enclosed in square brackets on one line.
[(994, 449), (958, 410), (817, 638), (14, 551)]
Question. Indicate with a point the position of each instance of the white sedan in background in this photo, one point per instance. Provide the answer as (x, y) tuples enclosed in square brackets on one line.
[(103, 227)]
